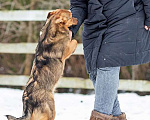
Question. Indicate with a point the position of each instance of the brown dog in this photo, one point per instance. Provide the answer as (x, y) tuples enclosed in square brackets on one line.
[(53, 49)]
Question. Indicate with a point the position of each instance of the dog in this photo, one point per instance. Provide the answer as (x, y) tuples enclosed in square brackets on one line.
[(53, 48)]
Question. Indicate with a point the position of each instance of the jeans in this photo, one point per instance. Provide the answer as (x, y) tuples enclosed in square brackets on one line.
[(106, 83)]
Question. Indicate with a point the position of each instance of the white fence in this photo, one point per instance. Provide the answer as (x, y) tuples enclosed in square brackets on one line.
[(24, 48), (24, 15)]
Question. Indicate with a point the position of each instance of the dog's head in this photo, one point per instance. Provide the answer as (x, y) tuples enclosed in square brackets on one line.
[(62, 18), (58, 21)]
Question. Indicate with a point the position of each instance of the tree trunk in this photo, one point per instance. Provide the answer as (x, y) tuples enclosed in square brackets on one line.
[(135, 71), (125, 73), (28, 59)]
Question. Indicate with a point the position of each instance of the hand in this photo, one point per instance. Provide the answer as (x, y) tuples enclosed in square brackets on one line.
[(70, 35), (147, 28)]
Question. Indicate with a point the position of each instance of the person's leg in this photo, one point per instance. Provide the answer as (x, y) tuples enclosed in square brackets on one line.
[(106, 86), (116, 108)]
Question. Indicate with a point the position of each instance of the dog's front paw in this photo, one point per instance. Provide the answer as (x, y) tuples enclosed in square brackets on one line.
[(74, 42)]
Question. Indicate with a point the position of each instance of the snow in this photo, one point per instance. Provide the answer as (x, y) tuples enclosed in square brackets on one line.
[(75, 106)]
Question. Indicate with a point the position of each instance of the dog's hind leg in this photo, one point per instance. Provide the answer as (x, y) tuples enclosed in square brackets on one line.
[(38, 115), (45, 111)]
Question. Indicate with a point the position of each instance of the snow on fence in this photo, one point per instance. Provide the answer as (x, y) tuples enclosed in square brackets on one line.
[(29, 48)]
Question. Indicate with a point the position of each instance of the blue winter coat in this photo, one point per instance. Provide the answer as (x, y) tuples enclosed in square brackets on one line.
[(113, 33)]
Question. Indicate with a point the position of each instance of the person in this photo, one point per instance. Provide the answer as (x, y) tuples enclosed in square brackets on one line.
[(115, 34)]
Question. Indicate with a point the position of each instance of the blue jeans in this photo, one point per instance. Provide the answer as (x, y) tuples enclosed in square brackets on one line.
[(106, 83)]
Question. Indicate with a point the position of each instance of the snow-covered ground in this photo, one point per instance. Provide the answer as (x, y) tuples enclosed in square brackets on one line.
[(76, 106)]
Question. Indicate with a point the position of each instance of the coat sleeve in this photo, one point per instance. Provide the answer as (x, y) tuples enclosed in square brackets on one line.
[(147, 11), (79, 9)]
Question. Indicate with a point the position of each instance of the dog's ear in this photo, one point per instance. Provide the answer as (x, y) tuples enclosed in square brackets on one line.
[(50, 14), (72, 21)]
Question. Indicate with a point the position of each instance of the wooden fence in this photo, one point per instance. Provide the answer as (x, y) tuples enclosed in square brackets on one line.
[(29, 48)]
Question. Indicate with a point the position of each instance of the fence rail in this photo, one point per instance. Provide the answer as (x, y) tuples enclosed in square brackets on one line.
[(29, 48), (70, 82), (24, 15), (24, 48)]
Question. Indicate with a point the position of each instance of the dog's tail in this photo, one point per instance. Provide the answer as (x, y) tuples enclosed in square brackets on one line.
[(36, 115), (9, 117)]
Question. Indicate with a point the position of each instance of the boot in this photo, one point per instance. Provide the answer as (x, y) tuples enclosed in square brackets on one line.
[(121, 117), (99, 116)]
